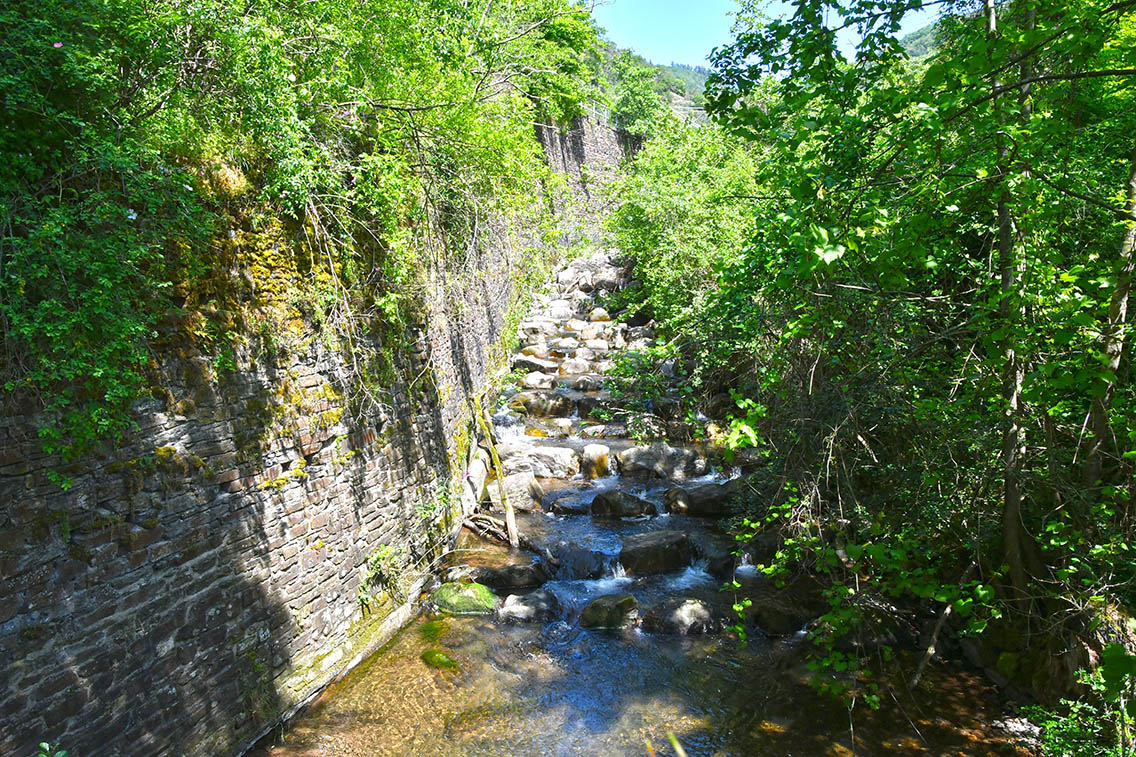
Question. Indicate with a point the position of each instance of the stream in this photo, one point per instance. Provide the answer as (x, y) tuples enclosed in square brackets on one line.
[(614, 631)]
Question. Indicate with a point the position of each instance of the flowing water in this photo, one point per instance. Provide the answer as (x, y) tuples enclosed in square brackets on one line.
[(553, 687)]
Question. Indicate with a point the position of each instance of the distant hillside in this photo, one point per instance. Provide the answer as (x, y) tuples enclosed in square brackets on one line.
[(693, 77), (681, 86), (920, 42)]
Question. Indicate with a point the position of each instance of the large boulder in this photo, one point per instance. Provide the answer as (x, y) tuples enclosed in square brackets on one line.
[(531, 363), (521, 489), (655, 552), (538, 380), (538, 606), (611, 612), (574, 365), (512, 577), (536, 349), (542, 403), (565, 346), (615, 503), (545, 462), (664, 461), (637, 333), (583, 353), (591, 331), (598, 346), (538, 328), (708, 500), (465, 599), (587, 403), (776, 619), (578, 563), (607, 279), (556, 462), (683, 616), (595, 462)]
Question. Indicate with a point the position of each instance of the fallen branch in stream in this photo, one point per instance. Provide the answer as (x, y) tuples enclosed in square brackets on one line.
[(929, 652), (495, 528), (486, 431)]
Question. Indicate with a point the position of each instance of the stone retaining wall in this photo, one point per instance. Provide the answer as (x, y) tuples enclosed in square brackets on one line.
[(183, 594)]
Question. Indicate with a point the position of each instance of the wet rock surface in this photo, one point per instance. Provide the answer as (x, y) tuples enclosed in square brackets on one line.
[(538, 606), (620, 504), (655, 552), (610, 612), (684, 616), (465, 599)]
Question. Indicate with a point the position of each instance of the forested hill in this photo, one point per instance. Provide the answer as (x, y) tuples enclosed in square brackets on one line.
[(680, 86), (920, 42)]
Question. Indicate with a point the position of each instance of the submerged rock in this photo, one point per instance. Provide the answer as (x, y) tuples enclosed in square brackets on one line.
[(465, 599), (438, 659), (538, 606), (616, 503), (655, 552), (612, 612), (683, 616)]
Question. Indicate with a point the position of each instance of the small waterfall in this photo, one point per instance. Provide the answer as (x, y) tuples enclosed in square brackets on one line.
[(746, 566), (693, 575)]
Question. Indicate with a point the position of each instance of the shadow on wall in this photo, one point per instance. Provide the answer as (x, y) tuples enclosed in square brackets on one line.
[(179, 597)]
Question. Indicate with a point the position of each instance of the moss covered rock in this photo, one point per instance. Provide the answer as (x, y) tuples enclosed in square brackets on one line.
[(466, 599), (438, 659), (612, 611)]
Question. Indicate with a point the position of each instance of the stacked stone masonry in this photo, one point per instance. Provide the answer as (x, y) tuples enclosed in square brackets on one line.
[(184, 593)]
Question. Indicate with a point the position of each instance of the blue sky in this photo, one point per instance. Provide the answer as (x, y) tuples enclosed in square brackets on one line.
[(685, 31)]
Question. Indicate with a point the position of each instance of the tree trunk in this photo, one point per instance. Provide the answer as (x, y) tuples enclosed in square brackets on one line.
[(1009, 268), (1113, 332)]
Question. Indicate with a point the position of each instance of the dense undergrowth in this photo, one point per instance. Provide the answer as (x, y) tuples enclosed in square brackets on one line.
[(906, 283), (177, 171)]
